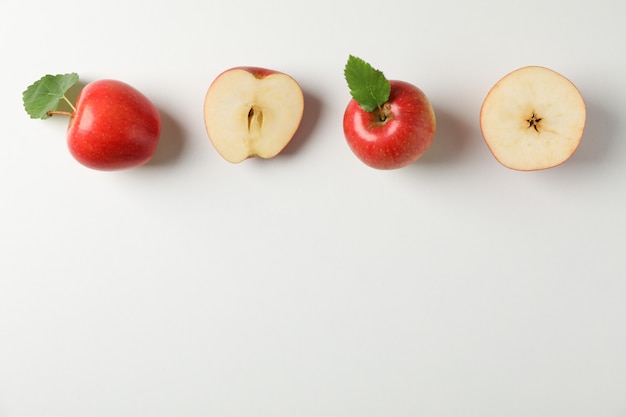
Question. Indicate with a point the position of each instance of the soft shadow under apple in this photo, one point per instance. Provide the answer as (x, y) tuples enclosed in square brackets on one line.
[(598, 136), (171, 142), (452, 136)]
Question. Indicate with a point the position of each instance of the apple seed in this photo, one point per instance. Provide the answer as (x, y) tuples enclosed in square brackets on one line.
[(534, 122), (255, 119)]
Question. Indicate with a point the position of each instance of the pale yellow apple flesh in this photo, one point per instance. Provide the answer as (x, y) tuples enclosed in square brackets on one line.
[(250, 114), (533, 119)]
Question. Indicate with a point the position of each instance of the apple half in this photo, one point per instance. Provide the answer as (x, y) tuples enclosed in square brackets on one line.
[(533, 119), (252, 112)]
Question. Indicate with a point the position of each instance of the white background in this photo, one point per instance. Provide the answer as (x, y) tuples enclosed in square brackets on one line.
[(311, 285)]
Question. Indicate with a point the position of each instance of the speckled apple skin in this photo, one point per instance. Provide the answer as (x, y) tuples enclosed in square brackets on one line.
[(399, 141), (114, 127)]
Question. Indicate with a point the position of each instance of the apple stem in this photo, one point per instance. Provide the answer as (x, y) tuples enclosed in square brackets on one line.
[(384, 111), (63, 113), (60, 113)]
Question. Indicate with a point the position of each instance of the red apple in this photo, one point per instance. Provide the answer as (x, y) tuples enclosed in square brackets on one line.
[(387, 124), (113, 127), (395, 135)]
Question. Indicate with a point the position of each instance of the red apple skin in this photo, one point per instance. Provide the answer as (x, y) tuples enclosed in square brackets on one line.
[(258, 72), (399, 140), (114, 127)]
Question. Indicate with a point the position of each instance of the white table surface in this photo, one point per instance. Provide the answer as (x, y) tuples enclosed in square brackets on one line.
[(311, 285)]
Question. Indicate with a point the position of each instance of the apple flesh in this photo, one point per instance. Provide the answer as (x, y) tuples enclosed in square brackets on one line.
[(114, 126), (533, 119), (395, 135), (252, 112)]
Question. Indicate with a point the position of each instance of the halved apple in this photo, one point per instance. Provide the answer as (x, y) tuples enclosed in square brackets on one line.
[(533, 119), (251, 111)]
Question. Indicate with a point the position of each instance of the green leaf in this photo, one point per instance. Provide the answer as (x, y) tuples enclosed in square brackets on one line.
[(46, 93), (368, 86)]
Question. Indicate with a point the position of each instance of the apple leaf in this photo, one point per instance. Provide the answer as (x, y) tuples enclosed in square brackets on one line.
[(44, 95), (368, 86)]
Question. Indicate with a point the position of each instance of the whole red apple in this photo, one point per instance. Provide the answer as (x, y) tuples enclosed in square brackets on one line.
[(113, 127), (387, 124), (395, 135)]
